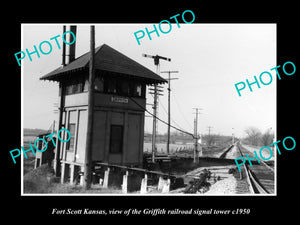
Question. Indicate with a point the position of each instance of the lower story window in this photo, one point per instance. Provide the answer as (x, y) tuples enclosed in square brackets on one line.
[(70, 144)]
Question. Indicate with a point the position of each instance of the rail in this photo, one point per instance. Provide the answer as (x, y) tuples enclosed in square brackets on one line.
[(223, 155), (255, 186)]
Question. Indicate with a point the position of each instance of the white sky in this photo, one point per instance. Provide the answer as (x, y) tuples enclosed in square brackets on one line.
[(210, 59)]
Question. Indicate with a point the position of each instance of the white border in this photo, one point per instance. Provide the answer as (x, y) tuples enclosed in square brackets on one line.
[(157, 194)]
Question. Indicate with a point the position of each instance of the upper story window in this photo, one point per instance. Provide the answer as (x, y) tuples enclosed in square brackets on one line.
[(137, 90), (76, 85), (110, 86), (99, 83), (124, 87), (106, 84)]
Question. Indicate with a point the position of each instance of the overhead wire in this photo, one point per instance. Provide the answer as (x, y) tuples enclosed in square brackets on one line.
[(171, 117), (176, 128), (164, 109), (176, 101)]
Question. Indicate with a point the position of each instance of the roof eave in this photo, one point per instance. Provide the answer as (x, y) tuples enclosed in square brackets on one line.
[(60, 76)]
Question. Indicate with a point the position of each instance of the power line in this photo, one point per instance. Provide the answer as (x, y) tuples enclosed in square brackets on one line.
[(164, 109), (183, 116), (161, 119)]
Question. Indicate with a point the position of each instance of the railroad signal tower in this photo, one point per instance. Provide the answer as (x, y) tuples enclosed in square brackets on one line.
[(118, 111)]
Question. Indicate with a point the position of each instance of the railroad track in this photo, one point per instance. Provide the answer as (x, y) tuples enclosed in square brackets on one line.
[(260, 178), (223, 155)]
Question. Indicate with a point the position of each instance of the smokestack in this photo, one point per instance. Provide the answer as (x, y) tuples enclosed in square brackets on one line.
[(69, 50), (64, 49)]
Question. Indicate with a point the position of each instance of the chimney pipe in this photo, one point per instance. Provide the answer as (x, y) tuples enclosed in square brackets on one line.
[(69, 50), (64, 49)]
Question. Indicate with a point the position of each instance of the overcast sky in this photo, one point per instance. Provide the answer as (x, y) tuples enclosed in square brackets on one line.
[(210, 59)]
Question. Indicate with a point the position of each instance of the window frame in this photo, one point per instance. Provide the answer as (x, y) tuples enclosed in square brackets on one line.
[(70, 147)]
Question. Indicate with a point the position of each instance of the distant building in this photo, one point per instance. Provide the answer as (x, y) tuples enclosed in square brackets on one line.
[(40, 156)]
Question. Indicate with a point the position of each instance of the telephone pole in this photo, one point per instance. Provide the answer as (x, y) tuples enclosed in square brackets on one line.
[(210, 140), (169, 106), (155, 105), (209, 128), (196, 157), (156, 91), (88, 149)]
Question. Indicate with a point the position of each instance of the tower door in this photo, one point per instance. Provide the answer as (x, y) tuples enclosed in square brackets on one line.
[(116, 139)]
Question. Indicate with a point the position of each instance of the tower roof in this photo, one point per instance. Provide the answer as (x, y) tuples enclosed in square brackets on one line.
[(106, 59)]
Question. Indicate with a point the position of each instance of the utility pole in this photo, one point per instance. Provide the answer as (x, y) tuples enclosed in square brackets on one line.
[(155, 105), (89, 136), (64, 49), (57, 163), (156, 92), (169, 106), (196, 157), (210, 140), (209, 128)]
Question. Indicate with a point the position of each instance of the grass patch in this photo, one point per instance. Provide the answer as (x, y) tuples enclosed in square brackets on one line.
[(42, 180)]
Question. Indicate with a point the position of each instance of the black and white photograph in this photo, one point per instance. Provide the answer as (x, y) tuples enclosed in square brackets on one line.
[(160, 120), (165, 114)]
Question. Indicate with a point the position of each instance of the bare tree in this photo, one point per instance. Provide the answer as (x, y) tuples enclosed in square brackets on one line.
[(253, 135), (209, 139), (267, 138)]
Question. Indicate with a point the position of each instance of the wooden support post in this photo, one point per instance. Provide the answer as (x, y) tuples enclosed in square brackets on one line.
[(125, 182), (36, 162), (106, 176), (63, 173), (160, 183), (166, 186), (144, 185), (81, 176), (72, 170)]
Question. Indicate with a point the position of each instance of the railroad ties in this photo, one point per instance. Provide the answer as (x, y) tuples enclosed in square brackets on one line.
[(193, 179), (256, 179), (223, 155), (260, 177)]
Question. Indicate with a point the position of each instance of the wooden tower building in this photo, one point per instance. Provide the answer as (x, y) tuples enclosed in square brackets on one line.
[(119, 109)]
